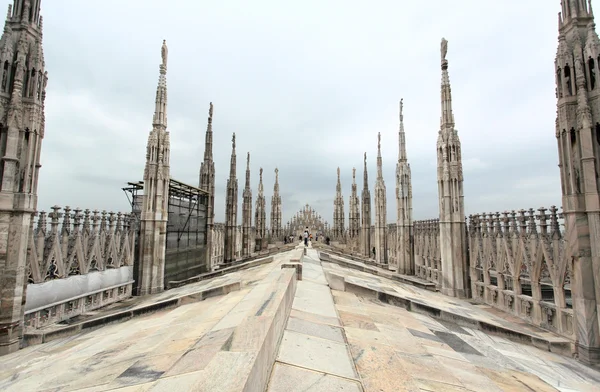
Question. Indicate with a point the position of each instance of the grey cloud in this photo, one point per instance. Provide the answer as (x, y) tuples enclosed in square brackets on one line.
[(305, 88)]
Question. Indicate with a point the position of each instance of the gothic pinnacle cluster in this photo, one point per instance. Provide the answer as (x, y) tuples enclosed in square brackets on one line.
[(207, 183), (231, 206), (451, 198), (155, 208), (260, 217), (247, 213), (577, 70), (338, 210), (380, 210), (22, 97), (404, 223), (354, 214), (366, 214), (276, 228)]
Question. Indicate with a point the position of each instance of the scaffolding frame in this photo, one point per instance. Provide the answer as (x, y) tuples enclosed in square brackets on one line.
[(178, 190)]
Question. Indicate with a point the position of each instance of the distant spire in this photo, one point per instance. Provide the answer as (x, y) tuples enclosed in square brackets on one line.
[(339, 182), (208, 142), (248, 171), (379, 160), (160, 112), (401, 135), (447, 119), (365, 175), (233, 158)]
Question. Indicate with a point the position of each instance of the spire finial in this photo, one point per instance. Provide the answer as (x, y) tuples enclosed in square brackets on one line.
[(233, 142), (379, 143), (365, 159), (160, 112), (164, 53), (338, 173), (276, 175), (210, 111), (248, 160), (401, 107), (353, 173), (261, 170), (444, 49)]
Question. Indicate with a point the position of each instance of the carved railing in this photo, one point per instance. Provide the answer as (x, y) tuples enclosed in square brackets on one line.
[(218, 245), (76, 242), (65, 249), (519, 264), (428, 263), (392, 243)]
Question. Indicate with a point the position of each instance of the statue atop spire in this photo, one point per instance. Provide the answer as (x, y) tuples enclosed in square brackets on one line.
[(165, 54), (353, 174), (444, 49), (401, 107), (261, 170), (210, 112), (379, 143), (233, 142), (248, 160), (276, 175), (338, 173)]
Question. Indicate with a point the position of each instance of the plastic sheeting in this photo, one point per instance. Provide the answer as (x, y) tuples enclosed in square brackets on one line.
[(60, 290)]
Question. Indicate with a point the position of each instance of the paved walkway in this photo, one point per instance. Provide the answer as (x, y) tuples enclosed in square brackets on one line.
[(334, 341), (170, 350), (313, 355), (397, 350), (438, 300)]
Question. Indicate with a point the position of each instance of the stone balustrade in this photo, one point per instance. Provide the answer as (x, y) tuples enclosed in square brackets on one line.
[(519, 264), (428, 262), (77, 260)]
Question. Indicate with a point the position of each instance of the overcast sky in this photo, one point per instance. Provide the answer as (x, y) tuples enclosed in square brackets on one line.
[(305, 86)]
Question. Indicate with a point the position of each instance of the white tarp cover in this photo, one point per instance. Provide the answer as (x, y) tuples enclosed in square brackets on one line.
[(60, 290)]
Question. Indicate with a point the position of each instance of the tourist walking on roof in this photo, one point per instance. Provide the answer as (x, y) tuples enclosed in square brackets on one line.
[(306, 238)]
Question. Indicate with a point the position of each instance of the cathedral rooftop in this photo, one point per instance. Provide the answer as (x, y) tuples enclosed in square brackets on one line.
[(263, 329)]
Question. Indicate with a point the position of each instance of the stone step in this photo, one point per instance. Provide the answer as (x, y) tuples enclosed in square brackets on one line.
[(543, 340), (340, 259), (123, 311), (251, 334)]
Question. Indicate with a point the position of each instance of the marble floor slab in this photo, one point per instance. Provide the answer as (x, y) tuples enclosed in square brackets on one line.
[(313, 349), (186, 348)]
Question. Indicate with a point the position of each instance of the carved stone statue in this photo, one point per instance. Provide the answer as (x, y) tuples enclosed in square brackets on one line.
[(365, 158), (164, 52), (210, 110), (444, 48), (354, 173), (261, 170), (276, 174), (379, 140), (248, 160), (401, 106), (233, 141), (338, 172)]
